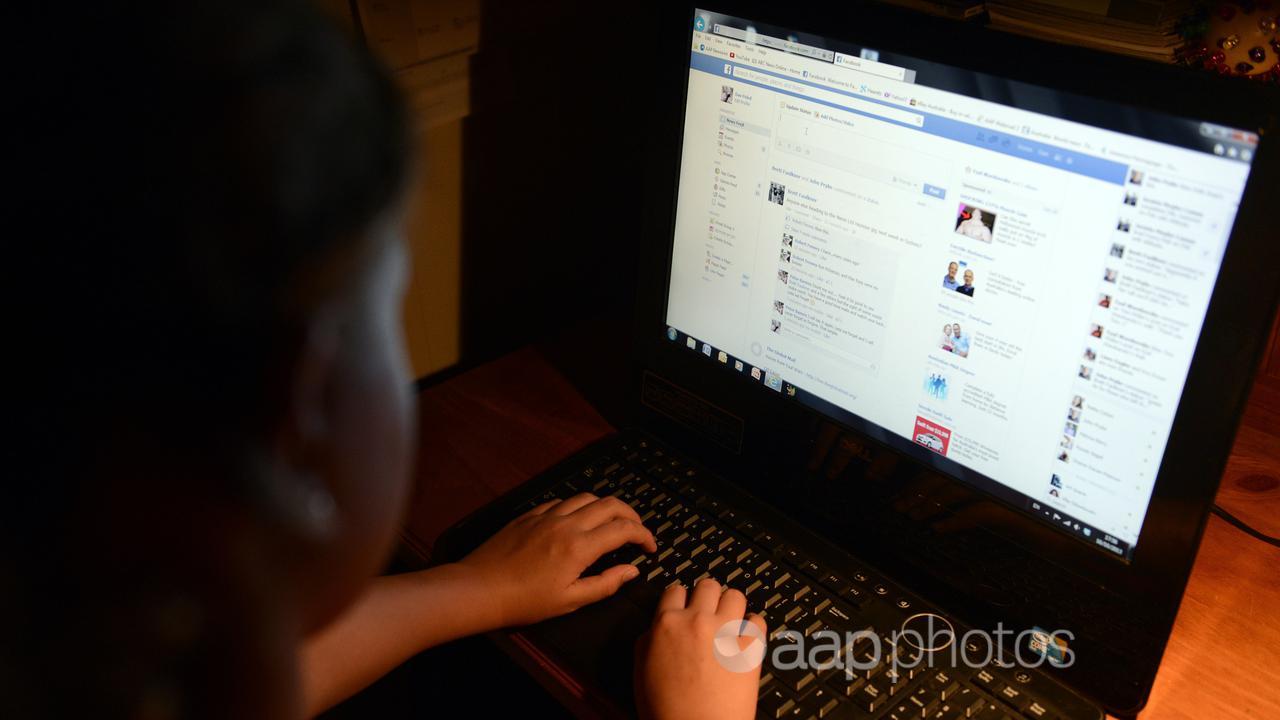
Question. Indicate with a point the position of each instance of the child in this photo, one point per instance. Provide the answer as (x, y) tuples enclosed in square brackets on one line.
[(216, 412)]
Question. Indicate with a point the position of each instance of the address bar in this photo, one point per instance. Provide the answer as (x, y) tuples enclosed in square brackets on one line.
[(817, 93)]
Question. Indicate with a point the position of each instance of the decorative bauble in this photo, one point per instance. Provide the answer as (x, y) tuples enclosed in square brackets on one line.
[(1236, 36)]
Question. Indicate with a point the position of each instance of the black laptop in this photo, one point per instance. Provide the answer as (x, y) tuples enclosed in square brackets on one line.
[(943, 343)]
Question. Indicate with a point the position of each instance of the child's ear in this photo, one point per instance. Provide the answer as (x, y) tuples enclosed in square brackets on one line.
[(298, 476)]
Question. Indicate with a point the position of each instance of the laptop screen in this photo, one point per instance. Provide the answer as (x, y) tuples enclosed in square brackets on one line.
[(1001, 280)]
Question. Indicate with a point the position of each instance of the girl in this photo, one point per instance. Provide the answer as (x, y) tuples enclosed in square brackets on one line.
[(216, 410)]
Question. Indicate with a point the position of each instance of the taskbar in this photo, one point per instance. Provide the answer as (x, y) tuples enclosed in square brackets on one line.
[(927, 442)]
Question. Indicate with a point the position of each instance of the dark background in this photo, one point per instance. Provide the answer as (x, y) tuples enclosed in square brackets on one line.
[(554, 158)]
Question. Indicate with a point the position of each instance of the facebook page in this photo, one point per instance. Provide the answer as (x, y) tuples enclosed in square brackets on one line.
[(1014, 292)]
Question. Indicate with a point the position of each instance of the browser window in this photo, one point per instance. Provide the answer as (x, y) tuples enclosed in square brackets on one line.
[(1010, 295)]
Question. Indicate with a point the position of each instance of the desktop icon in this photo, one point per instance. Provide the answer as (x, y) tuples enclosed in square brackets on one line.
[(790, 389), (755, 373), (737, 365), (672, 334), (706, 349), (691, 343), (774, 382), (723, 356)]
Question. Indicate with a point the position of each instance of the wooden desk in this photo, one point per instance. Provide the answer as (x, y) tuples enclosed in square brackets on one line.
[(488, 430)]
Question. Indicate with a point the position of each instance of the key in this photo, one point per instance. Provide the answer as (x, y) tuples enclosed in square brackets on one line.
[(834, 583), (847, 682), (984, 679), (798, 680), (768, 541), (1014, 697), (774, 703), (1035, 710), (855, 596), (871, 697)]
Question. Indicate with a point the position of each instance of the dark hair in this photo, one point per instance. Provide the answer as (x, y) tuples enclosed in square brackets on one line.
[(181, 165)]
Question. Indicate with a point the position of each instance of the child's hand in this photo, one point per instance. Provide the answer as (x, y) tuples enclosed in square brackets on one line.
[(678, 674), (533, 566)]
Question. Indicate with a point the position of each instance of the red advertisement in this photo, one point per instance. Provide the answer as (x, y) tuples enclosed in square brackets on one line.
[(932, 435)]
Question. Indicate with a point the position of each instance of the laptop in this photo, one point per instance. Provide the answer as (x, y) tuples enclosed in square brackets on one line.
[(943, 341)]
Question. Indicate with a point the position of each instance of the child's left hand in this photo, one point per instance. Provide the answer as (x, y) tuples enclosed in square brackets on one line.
[(532, 568)]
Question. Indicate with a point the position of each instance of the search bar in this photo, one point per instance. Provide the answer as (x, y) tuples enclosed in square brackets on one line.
[(817, 93)]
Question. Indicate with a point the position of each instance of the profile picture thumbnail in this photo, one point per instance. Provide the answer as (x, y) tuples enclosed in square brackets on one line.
[(974, 222), (777, 191), (959, 277), (955, 340), (726, 93)]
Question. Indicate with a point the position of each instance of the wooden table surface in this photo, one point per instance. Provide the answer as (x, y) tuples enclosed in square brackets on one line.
[(498, 425)]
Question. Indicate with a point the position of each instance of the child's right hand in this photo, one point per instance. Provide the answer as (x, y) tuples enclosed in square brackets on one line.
[(532, 568), (678, 675)]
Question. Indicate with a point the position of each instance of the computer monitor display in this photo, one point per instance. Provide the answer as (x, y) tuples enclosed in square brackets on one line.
[(1001, 280)]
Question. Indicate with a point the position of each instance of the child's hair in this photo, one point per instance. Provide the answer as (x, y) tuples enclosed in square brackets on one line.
[(182, 166)]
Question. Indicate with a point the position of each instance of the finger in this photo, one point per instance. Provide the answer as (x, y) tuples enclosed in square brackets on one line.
[(576, 502), (732, 604), (672, 598), (540, 508), (616, 533), (706, 596), (602, 511), (592, 588), (758, 620)]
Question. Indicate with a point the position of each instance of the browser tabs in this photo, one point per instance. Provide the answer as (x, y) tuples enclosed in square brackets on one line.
[(808, 51), (873, 67)]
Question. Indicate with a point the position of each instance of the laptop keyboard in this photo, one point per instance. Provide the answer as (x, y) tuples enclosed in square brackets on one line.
[(700, 535)]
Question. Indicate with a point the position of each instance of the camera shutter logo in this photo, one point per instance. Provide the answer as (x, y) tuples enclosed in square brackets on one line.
[(728, 649)]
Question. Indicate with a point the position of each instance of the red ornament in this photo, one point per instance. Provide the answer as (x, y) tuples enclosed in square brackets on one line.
[(1218, 57)]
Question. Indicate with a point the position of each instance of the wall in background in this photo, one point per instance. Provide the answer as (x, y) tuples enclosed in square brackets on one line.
[(428, 44)]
